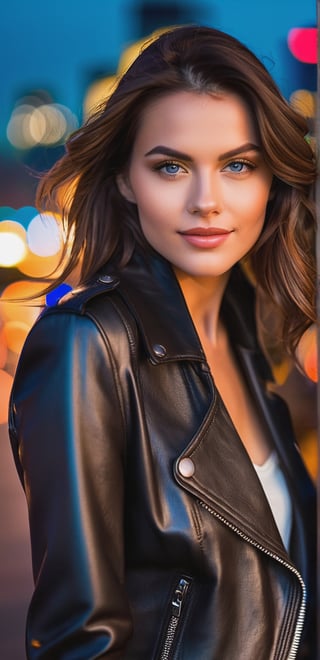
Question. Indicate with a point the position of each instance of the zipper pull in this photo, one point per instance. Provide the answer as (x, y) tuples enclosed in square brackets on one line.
[(178, 597)]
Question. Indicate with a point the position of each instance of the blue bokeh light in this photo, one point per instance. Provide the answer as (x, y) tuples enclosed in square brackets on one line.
[(54, 296)]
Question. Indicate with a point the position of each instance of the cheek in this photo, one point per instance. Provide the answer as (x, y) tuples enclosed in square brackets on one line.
[(155, 205), (254, 205)]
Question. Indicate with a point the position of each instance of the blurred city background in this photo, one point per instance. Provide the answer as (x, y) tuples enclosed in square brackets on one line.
[(57, 60)]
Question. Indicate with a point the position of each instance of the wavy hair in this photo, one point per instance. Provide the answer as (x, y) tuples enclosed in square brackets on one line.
[(105, 227)]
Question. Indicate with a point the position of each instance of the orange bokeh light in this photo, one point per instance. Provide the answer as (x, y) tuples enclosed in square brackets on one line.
[(3, 349), (15, 333), (11, 307), (6, 381), (34, 266), (307, 353)]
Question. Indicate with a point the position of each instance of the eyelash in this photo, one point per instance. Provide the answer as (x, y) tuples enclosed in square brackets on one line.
[(242, 161), (167, 163)]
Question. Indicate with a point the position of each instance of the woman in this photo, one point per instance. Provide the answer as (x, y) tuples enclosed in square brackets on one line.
[(171, 515)]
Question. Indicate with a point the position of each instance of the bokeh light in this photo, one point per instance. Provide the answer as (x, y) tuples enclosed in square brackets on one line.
[(54, 296), (34, 266), (15, 334), (24, 215), (304, 102), (6, 381), (7, 213), (26, 311), (44, 235), (302, 43), (30, 241), (98, 92), (307, 353), (13, 246), (3, 349), (45, 124)]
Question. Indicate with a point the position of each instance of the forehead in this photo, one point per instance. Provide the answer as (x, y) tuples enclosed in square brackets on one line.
[(196, 118)]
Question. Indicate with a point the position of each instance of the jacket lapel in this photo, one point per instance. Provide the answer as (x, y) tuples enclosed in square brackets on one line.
[(224, 479)]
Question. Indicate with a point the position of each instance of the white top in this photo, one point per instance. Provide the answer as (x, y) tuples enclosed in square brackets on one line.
[(277, 493)]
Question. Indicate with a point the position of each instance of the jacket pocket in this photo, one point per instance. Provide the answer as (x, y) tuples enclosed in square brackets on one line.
[(177, 610)]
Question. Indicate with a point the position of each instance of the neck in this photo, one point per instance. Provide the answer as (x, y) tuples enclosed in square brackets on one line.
[(203, 296)]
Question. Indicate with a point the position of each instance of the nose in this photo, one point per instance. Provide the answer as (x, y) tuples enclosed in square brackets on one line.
[(205, 195)]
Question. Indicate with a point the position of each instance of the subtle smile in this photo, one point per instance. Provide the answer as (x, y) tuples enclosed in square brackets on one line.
[(205, 237)]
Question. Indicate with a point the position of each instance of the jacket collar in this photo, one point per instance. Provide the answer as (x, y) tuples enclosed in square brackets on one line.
[(151, 291)]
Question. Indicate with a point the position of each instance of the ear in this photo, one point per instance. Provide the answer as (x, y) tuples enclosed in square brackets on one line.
[(125, 189)]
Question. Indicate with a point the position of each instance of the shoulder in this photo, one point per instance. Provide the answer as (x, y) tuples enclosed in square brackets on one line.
[(101, 303), (89, 316), (97, 300), (78, 300), (83, 334)]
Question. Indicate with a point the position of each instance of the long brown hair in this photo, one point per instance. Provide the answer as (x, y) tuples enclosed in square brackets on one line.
[(104, 226)]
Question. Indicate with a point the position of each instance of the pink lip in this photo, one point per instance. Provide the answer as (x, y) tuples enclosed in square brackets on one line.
[(205, 237), (205, 231)]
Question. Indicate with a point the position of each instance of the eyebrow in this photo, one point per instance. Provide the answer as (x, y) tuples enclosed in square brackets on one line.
[(167, 151)]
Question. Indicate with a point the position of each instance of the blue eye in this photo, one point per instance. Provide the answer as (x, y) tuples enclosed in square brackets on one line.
[(237, 166), (171, 168)]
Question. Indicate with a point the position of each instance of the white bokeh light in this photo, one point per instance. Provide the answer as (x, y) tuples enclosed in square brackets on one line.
[(44, 236), (12, 249)]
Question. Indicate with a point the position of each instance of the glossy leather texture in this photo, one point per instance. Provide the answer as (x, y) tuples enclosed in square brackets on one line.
[(151, 536)]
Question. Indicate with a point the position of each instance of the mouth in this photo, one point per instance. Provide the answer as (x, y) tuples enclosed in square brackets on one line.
[(205, 231), (205, 237)]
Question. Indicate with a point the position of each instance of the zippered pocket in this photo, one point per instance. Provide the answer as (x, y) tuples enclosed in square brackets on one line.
[(177, 610)]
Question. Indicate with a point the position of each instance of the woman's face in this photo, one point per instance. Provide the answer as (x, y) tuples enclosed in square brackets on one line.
[(199, 181)]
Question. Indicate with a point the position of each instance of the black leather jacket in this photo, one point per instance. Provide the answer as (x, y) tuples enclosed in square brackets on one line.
[(151, 536)]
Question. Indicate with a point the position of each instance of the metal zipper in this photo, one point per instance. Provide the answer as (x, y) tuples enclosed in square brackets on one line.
[(177, 603), (298, 631)]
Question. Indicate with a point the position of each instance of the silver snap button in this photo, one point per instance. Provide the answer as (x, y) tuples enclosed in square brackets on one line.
[(106, 279), (159, 350), (186, 467)]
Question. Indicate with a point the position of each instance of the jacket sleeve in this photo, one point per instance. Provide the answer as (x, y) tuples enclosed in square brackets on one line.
[(67, 432)]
